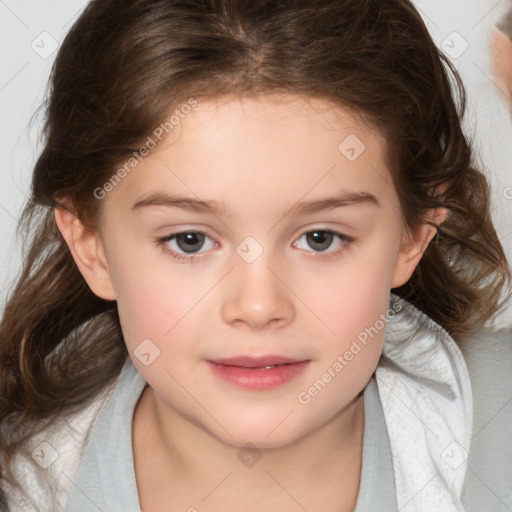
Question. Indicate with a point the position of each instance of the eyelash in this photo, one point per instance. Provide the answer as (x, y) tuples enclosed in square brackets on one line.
[(180, 258), (162, 242)]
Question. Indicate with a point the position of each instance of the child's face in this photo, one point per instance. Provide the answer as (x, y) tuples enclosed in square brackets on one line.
[(258, 285)]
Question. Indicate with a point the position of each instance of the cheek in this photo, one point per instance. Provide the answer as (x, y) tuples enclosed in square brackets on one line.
[(156, 329), (353, 294), (152, 298), (352, 300)]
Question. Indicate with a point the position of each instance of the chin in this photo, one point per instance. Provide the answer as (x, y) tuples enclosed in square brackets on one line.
[(265, 436)]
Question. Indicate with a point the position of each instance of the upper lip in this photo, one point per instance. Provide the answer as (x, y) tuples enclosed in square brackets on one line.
[(256, 362)]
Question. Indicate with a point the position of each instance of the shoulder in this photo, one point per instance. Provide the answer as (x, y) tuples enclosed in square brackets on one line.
[(488, 356)]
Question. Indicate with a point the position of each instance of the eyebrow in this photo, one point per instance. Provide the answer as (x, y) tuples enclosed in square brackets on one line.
[(219, 209)]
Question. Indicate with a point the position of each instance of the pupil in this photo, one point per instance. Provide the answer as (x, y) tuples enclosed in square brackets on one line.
[(323, 239), (190, 242)]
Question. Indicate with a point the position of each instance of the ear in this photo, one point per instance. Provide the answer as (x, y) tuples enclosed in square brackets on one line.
[(414, 244), (87, 249)]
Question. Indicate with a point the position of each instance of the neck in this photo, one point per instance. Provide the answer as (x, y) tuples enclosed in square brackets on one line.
[(324, 461)]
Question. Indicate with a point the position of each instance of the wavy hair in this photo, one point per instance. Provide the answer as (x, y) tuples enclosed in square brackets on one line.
[(125, 64)]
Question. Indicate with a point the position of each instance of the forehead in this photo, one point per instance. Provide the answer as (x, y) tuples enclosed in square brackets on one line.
[(272, 147)]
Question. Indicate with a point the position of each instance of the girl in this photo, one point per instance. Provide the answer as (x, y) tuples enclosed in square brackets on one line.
[(258, 246)]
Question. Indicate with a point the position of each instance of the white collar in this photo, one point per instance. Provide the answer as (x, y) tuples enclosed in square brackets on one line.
[(426, 398)]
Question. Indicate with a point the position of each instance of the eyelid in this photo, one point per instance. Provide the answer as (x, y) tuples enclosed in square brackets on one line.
[(340, 231), (345, 241), (180, 257)]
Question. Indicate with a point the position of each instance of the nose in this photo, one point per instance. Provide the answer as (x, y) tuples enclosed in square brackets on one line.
[(257, 296)]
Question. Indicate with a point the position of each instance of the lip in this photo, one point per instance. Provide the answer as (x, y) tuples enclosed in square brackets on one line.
[(258, 373), (254, 362)]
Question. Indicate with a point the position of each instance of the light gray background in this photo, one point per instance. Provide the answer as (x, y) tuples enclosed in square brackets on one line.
[(30, 28)]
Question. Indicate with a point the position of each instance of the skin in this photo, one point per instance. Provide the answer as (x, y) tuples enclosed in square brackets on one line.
[(501, 51), (260, 156)]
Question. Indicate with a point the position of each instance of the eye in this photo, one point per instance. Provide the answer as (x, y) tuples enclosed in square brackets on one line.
[(185, 245), (320, 240)]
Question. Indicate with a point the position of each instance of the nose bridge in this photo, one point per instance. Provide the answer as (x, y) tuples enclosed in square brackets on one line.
[(256, 296)]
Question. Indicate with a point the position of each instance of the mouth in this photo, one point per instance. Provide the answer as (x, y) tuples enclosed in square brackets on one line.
[(258, 373)]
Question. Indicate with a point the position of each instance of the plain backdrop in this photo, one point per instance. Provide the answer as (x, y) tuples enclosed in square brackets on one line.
[(31, 31)]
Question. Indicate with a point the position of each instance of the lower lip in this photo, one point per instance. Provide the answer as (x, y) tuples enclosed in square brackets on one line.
[(259, 379)]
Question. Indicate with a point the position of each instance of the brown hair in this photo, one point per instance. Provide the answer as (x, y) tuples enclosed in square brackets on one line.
[(126, 64)]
